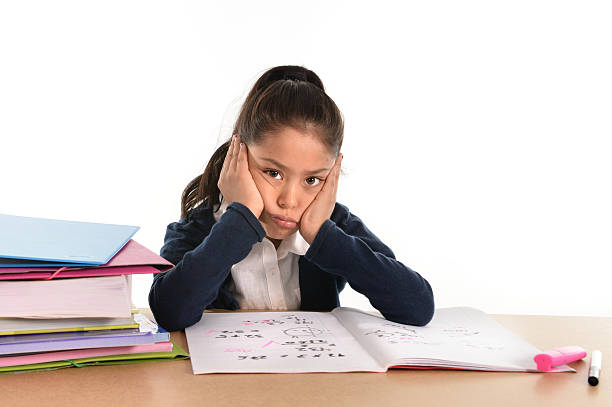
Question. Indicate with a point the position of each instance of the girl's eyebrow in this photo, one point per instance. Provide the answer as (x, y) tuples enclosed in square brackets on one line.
[(284, 168)]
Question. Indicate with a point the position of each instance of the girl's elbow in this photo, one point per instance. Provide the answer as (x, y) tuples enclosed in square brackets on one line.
[(417, 311), (415, 317), (427, 306), (173, 321), (425, 315)]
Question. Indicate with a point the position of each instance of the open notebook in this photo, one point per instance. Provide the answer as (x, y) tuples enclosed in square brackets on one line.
[(349, 340)]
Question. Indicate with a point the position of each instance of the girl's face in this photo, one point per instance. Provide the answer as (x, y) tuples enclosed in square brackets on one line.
[(289, 168)]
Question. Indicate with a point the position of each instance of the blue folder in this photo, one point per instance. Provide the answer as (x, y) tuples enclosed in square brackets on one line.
[(32, 242)]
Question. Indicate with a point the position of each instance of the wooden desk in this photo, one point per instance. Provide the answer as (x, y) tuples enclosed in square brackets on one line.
[(172, 383)]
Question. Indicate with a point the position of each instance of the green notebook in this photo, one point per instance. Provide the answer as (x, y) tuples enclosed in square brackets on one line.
[(176, 353)]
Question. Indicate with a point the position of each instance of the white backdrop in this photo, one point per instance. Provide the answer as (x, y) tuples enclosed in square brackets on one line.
[(477, 142)]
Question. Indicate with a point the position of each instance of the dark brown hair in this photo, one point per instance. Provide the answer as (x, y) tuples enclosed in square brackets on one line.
[(284, 96)]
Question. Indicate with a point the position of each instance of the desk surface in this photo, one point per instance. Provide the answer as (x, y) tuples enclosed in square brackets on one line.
[(172, 383)]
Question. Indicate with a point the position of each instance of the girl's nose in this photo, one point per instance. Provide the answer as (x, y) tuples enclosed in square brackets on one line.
[(288, 197)]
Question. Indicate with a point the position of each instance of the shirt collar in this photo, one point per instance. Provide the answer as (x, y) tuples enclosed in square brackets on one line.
[(220, 209), (291, 244)]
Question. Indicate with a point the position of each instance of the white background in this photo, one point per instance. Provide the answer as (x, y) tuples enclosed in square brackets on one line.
[(477, 142)]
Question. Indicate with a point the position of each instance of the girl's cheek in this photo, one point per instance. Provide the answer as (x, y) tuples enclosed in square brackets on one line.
[(260, 182), (263, 180), (266, 191), (307, 199)]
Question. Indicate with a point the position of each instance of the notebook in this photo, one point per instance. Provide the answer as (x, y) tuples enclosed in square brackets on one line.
[(26, 241), (350, 340), (77, 359), (147, 333), (43, 357), (133, 258), (22, 326)]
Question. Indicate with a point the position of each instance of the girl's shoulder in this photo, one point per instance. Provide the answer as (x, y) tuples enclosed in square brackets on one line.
[(341, 215), (348, 221), (201, 215), (187, 233), (352, 225), (197, 223)]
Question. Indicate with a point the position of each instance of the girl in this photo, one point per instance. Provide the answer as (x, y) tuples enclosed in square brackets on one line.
[(261, 228)]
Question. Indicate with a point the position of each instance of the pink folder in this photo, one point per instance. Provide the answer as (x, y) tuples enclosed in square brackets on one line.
[(133, 258), (27, 359)]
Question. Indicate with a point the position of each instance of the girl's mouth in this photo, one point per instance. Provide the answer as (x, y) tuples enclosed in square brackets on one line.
[(284, 222)]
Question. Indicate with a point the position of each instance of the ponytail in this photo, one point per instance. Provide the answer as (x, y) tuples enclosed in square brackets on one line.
[(203, 188)]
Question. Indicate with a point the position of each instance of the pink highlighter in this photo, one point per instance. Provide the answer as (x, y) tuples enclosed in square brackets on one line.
[(560, 356)]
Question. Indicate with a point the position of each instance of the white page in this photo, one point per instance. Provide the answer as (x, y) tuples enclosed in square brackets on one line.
[(459, 337), (274, 342), (95, 297)]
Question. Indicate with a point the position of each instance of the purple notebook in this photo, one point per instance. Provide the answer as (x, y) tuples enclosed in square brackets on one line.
[(13, 344)]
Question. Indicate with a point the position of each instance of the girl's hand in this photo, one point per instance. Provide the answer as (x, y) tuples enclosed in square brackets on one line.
[(321, 208), (236, 182)]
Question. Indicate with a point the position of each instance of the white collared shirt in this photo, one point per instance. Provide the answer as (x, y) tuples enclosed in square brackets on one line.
[(268, 278)]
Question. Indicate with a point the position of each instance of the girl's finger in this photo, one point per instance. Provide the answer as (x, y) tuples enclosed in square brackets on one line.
[(331, 182), (243, 156), (228, 155), (339, 165), (232, 162), (336, 176), (239, 159), (237, 152)]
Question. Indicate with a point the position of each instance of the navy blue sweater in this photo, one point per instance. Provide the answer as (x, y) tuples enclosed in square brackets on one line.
[(343, 250)]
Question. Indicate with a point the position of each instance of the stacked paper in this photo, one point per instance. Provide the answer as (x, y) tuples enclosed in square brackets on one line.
[(133, 258), (132, 339), (146, 333), (65, 296)]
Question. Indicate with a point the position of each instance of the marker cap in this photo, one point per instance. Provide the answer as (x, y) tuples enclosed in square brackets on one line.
[(595, 368)]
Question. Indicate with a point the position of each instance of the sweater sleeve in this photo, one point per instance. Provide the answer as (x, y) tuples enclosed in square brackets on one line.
[(345, 247), (179, 296)]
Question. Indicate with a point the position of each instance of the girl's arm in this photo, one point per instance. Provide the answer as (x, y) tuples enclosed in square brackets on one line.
[(345, 247), (179, 296)]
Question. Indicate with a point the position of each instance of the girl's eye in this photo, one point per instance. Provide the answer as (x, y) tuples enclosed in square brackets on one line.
[(313, 181), (273, 174)]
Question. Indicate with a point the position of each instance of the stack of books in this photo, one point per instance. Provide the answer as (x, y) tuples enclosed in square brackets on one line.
[(65, 296)]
